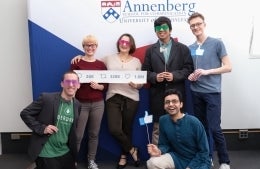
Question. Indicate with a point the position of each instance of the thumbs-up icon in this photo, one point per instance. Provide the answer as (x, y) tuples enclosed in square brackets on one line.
[(146, 119)]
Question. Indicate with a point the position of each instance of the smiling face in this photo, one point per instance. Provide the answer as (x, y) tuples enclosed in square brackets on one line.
[(163, 28), (70, 85), (173, 105), (124, 44), (89, 45), (90, 48), (197, 26), (163, 32)]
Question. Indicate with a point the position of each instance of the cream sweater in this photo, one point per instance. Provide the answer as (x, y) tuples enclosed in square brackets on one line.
[(114, 63)]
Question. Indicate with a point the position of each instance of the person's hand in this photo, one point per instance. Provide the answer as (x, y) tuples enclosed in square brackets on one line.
[(197, 73), (192, 77), (135, 85), (153, 150), (160, 77), (201, 72), (96, 86), (50, 129), (76, 59), (168, 76)]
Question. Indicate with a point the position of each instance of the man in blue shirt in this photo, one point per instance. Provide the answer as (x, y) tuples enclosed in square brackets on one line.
[(182, 139), (210, 60)]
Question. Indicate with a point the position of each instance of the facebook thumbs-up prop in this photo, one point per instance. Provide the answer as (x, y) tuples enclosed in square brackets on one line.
[(146, 119)]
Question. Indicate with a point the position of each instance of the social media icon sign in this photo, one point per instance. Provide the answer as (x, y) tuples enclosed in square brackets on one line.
[(146, 119)]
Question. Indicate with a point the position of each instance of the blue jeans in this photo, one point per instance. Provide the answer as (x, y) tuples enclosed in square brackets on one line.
[(207, 108)]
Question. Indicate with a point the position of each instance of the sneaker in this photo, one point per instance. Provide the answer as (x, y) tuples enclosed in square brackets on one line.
[(92, 164), (212, 163), (224, 166)]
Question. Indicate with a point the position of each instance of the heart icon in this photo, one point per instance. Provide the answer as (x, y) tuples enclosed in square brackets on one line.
[(127, 76)]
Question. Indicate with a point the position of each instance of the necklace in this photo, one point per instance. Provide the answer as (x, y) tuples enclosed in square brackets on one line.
[(124, 58)]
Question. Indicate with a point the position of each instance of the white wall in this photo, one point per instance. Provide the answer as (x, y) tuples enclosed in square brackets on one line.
[(15, 85), (230, 22)]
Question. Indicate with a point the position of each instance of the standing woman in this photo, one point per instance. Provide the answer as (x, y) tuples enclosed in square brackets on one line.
[(122, 99), (91, 97)]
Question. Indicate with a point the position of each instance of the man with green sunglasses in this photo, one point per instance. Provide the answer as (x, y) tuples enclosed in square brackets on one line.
[(168, 64)]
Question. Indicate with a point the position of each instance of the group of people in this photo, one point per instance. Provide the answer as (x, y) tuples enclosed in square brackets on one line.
[(179, 140)]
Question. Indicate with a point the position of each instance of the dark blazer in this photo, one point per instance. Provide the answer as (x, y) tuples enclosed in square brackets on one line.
[(180, 64), (43, 112)]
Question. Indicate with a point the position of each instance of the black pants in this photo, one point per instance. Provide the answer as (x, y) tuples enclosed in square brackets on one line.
[(63, 162), (121, 112)]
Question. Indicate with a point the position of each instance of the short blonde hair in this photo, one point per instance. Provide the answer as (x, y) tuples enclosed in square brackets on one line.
[(89, 39)]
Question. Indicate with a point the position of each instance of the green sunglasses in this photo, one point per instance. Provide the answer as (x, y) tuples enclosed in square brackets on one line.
[(161, 28)]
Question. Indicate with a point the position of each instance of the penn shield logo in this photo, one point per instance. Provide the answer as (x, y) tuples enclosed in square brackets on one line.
[(111, 10)]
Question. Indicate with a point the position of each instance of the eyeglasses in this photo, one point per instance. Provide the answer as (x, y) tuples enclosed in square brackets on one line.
[(193, 26), (168, 102), (161, 28), (124, 42), (70, 82), (90, 45)]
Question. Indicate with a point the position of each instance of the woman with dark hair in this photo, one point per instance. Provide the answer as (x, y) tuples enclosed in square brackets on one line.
[(122, 99)]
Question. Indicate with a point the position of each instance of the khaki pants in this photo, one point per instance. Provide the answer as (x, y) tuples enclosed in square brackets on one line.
[(155, 134), (164, 161)]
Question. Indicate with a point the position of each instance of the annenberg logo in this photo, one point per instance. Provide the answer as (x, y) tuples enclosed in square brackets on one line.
[(126, 11), (111, 10)]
